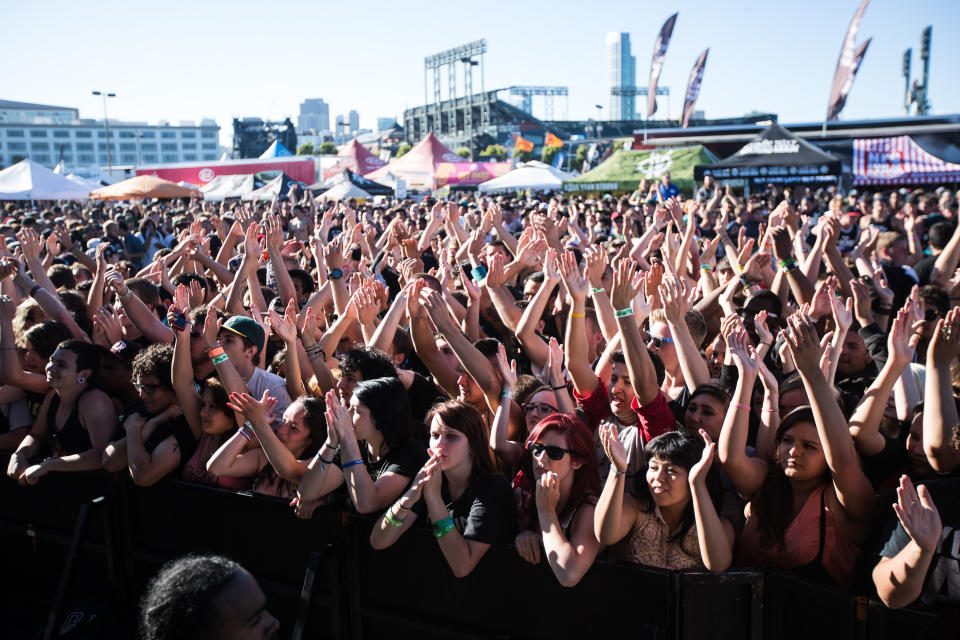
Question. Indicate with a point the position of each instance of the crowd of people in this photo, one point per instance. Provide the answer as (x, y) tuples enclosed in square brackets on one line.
[(703, 383)]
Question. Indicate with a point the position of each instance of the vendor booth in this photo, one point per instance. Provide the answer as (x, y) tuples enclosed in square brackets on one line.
[(625, 169), (533, 176), (28, 180), (141, 187), (898, 161)]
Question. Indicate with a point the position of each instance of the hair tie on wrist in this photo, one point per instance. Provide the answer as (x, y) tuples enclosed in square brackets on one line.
[(740, 405)]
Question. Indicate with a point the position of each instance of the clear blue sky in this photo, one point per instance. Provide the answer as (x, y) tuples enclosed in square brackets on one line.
[(186, 60)]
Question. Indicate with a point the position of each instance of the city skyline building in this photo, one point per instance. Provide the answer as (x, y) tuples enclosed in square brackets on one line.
[(621, 73), (48, 134), (314, 115)]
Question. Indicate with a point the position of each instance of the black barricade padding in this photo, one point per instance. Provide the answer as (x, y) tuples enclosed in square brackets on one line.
[(735, 597), (409, 588), (356, 592)]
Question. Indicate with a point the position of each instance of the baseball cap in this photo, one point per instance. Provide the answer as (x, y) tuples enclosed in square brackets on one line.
[(247, 328)]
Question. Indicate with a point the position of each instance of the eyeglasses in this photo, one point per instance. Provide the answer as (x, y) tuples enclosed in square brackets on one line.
[(538, 408), (930, 315), (148, 389), (554, 453), (657, 342)]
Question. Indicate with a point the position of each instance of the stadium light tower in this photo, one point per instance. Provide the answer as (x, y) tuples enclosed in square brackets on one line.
[(106, 124)]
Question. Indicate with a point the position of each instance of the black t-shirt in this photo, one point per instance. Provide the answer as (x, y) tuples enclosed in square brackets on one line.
[(423, 394), (406, 460), (484, 512), (880, 467), (924, 268), (942, 584), (180, 430)]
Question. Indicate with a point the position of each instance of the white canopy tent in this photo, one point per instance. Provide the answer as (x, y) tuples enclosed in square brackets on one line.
[(28, 180), (228, 186), (346, 191), (533, 175)]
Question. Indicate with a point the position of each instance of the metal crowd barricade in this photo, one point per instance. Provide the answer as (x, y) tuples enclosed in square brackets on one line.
[(88, 534)]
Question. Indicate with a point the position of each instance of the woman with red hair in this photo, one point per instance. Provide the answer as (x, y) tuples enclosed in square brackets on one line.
[(559, 478)]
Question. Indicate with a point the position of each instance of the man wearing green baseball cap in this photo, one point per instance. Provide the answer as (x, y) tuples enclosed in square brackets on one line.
[(242, 339)]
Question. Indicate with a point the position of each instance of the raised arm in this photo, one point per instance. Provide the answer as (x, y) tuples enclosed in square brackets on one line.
[(532, 344), (257, 413), (616, 511), (639, 365), (575, 340), (939, 407), (507, 450), (144, 319), (714, 534), (853, 490), (677, 300), (865, 421), (569, 558), (746, 473), (182, 373), (425, 345)]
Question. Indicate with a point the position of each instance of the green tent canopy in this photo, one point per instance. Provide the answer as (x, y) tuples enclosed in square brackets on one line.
[(625, 169)]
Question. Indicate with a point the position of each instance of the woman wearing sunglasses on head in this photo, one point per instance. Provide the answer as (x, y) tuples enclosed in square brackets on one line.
[(559, 507), (468, 503), (674, 523)]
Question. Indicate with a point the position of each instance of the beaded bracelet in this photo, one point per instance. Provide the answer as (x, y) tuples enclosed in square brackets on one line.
[(246, 431), (443, 527)]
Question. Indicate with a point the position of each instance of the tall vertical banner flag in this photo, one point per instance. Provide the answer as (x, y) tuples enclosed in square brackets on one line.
[(693, 88), (559, 160), (659, 51), (847, 65)]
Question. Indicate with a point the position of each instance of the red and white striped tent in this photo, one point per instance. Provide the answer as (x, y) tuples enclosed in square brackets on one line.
[(898, 160)]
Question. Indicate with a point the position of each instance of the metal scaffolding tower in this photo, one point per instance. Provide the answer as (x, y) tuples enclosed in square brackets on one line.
[(640, 91), (449, 58), (527, 92)]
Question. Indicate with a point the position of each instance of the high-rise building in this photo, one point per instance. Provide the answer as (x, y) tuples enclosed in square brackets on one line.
[(354, 120), (314, 115), (621, 73)]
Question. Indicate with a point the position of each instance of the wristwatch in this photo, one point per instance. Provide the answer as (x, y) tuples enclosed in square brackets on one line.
[(335, 274)]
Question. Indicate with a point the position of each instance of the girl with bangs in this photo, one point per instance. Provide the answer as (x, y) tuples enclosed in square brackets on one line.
[(561, 465), (674, 523), (468, 503)]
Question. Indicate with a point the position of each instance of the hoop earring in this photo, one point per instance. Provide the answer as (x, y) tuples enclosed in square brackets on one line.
[(81, 380)]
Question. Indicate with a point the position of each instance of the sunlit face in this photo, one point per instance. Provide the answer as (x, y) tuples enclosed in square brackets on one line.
[(705, 412), (564, 467), (530, 288), (155, 397), (854, 356), (61, 369), (450, 445), (715, 355), (667, 351), (800, 453), (539, 406), (667, 482), (293, 431), (621, 390), (364, 426), (234, 348), (470, 391), (213, 420)]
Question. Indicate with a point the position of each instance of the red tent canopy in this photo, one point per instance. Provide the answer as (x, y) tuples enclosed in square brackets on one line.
[(354, 156), (898, 160), (418, 166)]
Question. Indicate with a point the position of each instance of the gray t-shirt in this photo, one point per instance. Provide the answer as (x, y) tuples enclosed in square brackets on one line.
[(263, 380)]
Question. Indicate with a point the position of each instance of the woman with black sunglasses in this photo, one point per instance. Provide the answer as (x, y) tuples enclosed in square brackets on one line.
[(558, 508), (459, 491)]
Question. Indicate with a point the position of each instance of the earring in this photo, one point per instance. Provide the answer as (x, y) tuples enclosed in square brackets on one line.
[(81, 380)]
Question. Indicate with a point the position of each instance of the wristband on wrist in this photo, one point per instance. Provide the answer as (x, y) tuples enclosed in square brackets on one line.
[(246, 431), (740, 405), (443, 527), (597, 290), (577, 315), (320, 457), (618, 472), (390, 520), (123, 297), (352, 463), (623, 313), (706, 267), (507, 393), (218, 359), (34, 290), (215, 350)]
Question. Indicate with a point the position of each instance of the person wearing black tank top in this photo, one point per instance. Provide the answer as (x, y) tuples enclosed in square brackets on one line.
[(75, 422)]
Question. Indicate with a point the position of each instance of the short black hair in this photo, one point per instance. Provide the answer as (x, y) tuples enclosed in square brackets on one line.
[(179, 601), (156, 360), (371, 363), (940, 233)]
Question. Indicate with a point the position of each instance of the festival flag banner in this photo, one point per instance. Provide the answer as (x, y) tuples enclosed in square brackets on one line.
[(693, 88), (847, 65), (552, 141), (659, 51), (523, 145), (559, 160)]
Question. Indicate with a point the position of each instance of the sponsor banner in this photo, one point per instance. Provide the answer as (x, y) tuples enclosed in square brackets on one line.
[(693, 88), (847, 65), (469, 173), (297, 168), (656, 64)]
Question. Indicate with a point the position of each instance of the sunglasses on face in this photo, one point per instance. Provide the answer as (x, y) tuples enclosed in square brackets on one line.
[(657, 342), (538, 408), (554, 453), (149, 389)]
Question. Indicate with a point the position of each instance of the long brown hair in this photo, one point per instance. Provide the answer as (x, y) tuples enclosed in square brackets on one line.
[(773, 505), (469, 422)]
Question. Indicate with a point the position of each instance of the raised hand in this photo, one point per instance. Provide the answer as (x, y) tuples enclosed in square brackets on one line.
[(881, 288), (105, 318), (577, 285), (676, 299), (197, 295), (738, 345), (698, 472), (551, 268), (803, 343), (211, 327), (368, 306), (433, 303), (596, 259), (782, 245), (496, 272), (286, 330), (944, 346), (842, 312), (508, 372), (339, 425), (760, 324), (918, 515), (274, 233), (256, 411), (623, 291), (903, 338), (610, 439)]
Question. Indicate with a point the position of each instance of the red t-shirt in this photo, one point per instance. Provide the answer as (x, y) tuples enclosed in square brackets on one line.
[(654, 418)]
